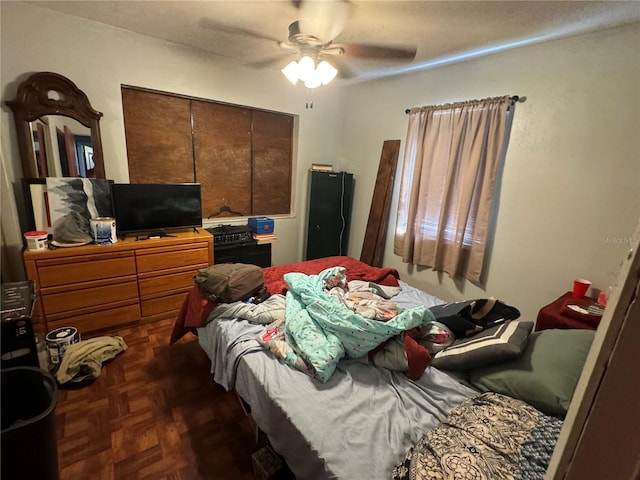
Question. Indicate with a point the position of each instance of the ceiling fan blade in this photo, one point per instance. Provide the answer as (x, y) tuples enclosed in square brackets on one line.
[(324, 19), (210, 24), (361, 50), (274, 62), (344, 69)]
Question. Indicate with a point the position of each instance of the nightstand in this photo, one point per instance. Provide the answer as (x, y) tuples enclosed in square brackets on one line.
[(556, 314)]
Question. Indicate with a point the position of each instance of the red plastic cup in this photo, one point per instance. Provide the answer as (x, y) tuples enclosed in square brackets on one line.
[(602, 299), (580, 287)]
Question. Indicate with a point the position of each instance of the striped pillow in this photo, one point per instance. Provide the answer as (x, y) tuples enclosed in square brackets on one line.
[(493, 345)]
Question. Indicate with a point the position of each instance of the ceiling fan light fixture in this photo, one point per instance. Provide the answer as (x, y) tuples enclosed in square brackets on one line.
[(306, 68), (292, 72), (326, 72), (313, 81), (306, 71)]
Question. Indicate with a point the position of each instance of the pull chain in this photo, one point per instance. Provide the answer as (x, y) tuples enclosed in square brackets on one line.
[(309, 103)]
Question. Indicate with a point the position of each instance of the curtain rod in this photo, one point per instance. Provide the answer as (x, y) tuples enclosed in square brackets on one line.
[(513, 99)]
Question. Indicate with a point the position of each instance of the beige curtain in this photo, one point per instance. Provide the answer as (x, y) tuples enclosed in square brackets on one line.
[(451, 160)]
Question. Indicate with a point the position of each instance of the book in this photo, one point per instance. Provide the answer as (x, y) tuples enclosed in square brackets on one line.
[(321, 167), (262, 238), (262, 242)]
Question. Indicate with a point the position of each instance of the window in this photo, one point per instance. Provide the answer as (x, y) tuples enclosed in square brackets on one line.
[(450, 165)]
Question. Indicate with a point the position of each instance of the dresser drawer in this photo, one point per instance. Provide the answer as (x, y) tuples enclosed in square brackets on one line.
[(167, 283), (103, 319), (83, 269), (101, 287), (65, 301), (165, 304), (152, 260)]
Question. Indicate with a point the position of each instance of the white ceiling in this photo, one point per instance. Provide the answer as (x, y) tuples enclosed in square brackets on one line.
[(442, 31)]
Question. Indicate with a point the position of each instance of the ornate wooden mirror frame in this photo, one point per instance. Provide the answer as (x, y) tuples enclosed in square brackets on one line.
[(46, 93)]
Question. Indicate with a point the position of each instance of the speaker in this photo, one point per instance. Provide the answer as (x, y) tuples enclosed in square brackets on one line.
[(17, 340)]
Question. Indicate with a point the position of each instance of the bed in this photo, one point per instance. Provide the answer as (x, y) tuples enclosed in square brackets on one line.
[(368, 422)]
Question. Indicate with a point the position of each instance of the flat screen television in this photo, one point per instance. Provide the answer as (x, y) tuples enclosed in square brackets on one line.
[(156, 207)]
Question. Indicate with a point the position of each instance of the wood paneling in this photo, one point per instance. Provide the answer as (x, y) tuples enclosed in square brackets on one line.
[(375, 234), (222, 147), (158, 133), (271, 171)]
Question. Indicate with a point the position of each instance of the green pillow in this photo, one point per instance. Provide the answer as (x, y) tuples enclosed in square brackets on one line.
[(546, 373)]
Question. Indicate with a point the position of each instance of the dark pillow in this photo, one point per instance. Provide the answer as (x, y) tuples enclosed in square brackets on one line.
[(495, 344), (546, 373)]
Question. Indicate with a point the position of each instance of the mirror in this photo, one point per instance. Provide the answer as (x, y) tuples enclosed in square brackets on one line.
[(58, 130)]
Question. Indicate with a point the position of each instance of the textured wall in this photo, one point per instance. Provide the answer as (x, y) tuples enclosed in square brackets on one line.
[(99, 58), (570, 192)]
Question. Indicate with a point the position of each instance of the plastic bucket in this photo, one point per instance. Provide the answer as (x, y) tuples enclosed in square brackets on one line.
[(37, 240), (103, 230), (58, 340)]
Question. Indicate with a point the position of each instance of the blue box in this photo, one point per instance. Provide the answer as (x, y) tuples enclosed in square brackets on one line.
[(261, 225)]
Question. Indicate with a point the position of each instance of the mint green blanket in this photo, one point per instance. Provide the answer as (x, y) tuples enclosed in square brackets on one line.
[(321, 329)]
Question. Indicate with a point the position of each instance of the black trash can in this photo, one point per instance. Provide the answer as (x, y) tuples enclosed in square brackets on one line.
[(29, 449)]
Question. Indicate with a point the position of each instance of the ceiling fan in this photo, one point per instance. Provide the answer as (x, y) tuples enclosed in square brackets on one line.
[(312, 36)]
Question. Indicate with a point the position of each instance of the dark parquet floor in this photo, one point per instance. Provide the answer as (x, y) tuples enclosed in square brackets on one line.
[(153, 413)]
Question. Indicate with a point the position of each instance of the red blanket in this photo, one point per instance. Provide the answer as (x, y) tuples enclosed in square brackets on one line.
[(356, 270), (196, 308)]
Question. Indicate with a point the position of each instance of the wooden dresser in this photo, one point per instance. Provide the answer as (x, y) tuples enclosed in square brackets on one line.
[(100, 287)]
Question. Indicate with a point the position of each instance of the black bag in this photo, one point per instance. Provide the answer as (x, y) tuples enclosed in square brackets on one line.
[(472, 316), (229, 282)]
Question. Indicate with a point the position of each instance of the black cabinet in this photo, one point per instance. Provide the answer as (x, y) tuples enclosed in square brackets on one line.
[(245, 253), (330, 198)]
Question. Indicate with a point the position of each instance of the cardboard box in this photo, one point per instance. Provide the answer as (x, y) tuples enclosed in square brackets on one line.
[(261, 225)]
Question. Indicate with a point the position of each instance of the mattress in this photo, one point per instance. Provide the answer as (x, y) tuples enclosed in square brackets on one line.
[(357, 425)]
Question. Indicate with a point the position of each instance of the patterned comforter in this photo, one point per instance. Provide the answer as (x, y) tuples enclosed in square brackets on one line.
[(196, 308), (321, 327), (490, 437)]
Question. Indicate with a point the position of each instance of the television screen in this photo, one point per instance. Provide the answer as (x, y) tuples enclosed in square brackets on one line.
[(155, 207)]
